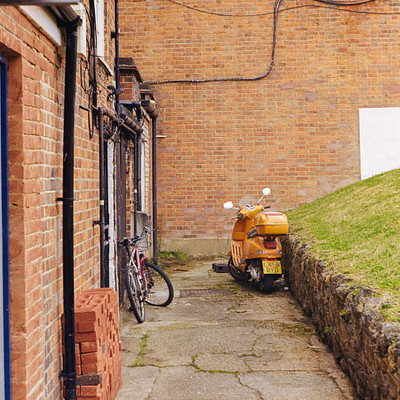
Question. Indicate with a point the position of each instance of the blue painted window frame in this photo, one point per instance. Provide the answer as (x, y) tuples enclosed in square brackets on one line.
[(4, 208)]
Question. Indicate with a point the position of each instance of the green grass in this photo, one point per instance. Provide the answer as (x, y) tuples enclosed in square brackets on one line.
[(357, 230), (172, 257)]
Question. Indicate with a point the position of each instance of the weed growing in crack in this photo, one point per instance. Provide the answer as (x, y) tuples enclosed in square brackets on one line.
[(210, 371), (143, 344)]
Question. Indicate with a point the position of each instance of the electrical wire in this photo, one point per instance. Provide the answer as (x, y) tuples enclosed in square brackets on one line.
[(338, 9), (93, 89), (235, 79), (344, 3), (276, 11), (90, 69), (221, 14)]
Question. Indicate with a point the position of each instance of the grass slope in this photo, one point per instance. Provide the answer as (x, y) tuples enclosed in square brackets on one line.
[(357, 230)]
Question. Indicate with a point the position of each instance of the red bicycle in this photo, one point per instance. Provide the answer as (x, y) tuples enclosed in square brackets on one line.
[(145, 282)]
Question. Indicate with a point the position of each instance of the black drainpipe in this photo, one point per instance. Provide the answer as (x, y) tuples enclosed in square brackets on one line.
[(154, 184), (117, 79), (69, 371), (150, 107), (121, 167), (105, 278), (136, 172)]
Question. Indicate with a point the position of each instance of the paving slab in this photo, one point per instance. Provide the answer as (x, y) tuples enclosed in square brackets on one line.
[(199, 385), (223, 340)]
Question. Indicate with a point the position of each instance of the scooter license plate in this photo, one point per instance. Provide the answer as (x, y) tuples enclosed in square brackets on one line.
[(272, 266)]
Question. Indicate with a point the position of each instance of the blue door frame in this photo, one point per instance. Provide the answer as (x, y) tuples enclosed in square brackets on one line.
[(5, 334)]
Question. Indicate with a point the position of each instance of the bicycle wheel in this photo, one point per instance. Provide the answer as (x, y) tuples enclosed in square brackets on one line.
[(159, 287), (135, 293)]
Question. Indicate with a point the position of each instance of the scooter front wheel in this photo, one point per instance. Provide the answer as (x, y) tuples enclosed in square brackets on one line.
[(235, 272)]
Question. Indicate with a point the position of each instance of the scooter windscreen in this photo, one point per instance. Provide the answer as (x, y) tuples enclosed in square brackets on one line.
[(248, 199)]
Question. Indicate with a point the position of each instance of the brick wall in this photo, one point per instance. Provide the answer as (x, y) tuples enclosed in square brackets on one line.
[(34, 134), (295, 131), (35, 100)]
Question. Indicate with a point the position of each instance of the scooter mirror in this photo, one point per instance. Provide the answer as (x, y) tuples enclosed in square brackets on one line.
[(266, 191), (228, 205)]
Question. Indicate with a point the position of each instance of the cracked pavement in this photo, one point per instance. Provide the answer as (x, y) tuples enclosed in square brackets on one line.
[(223, 340)]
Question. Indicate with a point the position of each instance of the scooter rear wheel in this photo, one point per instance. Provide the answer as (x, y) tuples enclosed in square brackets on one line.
[(266, 284), (235, 272)]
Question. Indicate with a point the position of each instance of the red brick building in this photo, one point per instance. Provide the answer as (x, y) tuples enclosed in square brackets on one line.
[(298, 130), (39, 71)]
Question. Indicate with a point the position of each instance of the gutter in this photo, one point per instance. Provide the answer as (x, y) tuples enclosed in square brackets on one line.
[(124, 122), (65, 14)]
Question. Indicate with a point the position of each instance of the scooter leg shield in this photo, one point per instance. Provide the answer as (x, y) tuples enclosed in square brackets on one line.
[(235, 272)]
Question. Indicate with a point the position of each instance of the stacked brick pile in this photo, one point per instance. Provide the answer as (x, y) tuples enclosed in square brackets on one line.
[(98, 348)]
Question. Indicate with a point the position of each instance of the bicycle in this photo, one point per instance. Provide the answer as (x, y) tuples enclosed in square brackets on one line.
[(145, 282)]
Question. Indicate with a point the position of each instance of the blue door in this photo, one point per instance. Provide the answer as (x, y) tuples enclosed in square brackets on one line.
[(5, 363)]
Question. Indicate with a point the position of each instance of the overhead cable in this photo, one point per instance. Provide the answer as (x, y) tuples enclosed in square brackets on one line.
[(235, 79), (276, 11), (261, 14), (344, 3)]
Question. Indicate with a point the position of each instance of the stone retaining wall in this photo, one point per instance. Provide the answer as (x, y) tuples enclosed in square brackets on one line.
[(348, 319)]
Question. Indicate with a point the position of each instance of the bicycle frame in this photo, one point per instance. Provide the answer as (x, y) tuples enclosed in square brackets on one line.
[(138, 261)]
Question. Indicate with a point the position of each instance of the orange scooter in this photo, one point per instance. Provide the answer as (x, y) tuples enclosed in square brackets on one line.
[(256, 251)]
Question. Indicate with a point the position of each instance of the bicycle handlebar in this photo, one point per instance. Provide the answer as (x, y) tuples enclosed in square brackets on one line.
[(134, 240)]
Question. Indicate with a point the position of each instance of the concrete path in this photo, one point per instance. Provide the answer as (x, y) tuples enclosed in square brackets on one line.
[(220, 340)]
